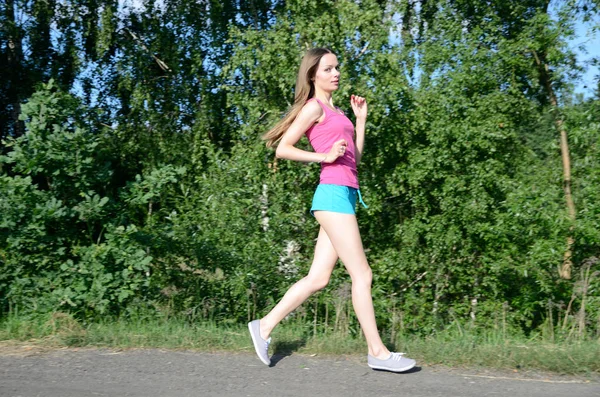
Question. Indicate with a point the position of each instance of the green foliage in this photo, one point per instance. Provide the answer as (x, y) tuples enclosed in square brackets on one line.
[(153, 192), (102, 278), (60, 243)]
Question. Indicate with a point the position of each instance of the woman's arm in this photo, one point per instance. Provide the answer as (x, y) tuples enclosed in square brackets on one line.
[(359, 106), (310, 113)]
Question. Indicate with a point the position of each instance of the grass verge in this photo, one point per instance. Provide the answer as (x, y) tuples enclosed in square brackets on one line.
[(464, 350)]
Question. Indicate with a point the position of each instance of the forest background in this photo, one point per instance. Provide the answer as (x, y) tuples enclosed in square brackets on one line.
[(133, 181)]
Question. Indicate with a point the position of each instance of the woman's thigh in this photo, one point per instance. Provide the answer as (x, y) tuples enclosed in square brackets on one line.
[(325, 256), (342, 230)]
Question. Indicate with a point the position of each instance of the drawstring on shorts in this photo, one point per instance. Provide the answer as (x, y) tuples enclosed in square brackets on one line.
[(360, 199)]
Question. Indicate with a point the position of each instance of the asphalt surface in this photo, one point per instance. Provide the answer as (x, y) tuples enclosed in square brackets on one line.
[(153, 372)]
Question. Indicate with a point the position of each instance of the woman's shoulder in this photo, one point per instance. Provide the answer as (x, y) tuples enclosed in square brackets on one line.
[(312, 108)]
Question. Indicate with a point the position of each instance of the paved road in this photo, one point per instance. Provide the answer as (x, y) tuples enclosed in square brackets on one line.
[(152, 372)]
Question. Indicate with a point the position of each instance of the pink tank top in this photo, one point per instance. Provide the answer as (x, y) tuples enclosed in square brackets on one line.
[(322, 136)]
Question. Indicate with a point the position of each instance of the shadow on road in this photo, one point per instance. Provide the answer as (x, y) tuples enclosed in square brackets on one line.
[(410, 371), (285, 349)]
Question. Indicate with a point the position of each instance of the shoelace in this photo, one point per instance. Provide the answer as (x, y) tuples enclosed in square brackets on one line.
[(267, 343), (397, 356)]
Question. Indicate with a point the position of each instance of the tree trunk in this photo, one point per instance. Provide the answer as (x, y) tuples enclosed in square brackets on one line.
[(545, 76)]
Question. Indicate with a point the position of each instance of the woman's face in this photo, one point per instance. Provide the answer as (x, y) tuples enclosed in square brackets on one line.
[(328, 73)]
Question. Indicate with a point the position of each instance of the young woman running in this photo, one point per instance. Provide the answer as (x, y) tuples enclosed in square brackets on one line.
[(331, 134)]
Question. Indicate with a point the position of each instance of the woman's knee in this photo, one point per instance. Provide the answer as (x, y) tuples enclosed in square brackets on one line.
[(317, 283), (363, 277)]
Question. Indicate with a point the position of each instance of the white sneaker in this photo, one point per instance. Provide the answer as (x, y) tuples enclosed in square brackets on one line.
[(394, 363), (260, 345)]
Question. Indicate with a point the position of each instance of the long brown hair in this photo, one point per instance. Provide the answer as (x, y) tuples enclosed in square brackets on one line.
[(305, 89)]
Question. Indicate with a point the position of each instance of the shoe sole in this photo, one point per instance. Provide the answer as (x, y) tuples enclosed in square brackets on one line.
[(256, 345), (393, 369)]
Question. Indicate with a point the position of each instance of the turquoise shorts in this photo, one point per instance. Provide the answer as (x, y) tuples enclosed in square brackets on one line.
[(336, 198)]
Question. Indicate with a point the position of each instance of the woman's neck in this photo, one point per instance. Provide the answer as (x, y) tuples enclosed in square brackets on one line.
[(324, 96)]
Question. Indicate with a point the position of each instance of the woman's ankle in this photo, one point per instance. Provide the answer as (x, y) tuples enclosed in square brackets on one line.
[(380, 352), (265, 329)]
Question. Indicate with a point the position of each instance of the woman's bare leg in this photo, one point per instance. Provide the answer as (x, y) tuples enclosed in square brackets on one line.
[(318, 277), (342, 230)]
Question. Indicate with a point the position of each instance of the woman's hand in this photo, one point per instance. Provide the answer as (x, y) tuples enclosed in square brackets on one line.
[(359, 106), (337, 150)]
